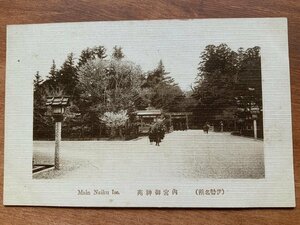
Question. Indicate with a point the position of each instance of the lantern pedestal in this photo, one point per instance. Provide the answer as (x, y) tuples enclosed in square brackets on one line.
[(57, 105), (57, 144), (58, 121), (255, 128), (254, 117)]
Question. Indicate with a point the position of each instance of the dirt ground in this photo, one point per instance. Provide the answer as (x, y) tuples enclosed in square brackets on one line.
[(182, 154)]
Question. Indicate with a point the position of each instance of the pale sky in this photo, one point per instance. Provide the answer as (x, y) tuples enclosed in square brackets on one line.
[(177, 42)]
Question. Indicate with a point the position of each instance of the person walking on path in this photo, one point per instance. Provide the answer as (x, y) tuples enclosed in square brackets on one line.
[(156, 133), (151, 134), (206, 127), (221, 126)]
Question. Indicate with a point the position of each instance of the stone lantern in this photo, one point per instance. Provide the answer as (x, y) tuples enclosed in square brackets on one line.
[(58, 105)]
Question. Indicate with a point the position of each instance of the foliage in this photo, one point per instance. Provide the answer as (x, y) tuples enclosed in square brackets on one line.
[(102, 89), (225, 75), (249, 86), (41, 123), (97, 52), (110, 85), (117, 53), (52, 78), (160, 90), (216, 78), (115, 119), (68, 76)]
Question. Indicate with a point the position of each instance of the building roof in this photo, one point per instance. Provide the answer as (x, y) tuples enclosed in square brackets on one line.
[(57, 101), (179, 113), (149, 112)]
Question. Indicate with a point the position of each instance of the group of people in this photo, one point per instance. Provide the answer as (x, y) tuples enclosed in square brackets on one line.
[(156, 133)]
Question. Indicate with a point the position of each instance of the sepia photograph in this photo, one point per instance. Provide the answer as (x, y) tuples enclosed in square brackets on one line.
[(155, 113), (148, 105)]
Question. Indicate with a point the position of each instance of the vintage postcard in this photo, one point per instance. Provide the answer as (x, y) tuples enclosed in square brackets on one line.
[(161, 113)]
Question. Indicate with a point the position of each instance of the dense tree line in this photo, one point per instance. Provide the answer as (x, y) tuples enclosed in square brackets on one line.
[(228, 83), (106, 90), (103, 91)]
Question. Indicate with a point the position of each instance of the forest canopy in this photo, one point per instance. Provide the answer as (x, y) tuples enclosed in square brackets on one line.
[(227, 81), (97, 84), (107, 90)]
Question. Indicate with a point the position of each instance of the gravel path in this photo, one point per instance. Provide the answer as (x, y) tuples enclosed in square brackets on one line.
[(183, 154)]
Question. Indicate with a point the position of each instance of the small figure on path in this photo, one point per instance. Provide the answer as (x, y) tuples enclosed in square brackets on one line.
[(156, 133), (151, 134), (161, 132), (221, 125), (206, 127)]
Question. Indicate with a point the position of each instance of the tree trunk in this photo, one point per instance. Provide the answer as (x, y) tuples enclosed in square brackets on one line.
[(100, 131), (120, 132), (113, 132)]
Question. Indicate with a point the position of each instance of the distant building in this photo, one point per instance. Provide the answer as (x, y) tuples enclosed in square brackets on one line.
[(172, 120), (179, 120), (147, 117)]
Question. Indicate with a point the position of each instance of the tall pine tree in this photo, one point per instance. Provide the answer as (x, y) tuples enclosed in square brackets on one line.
[(52, 81), (42, 125), (68, 76), (91, 53), (118, 53), (162, 91)]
